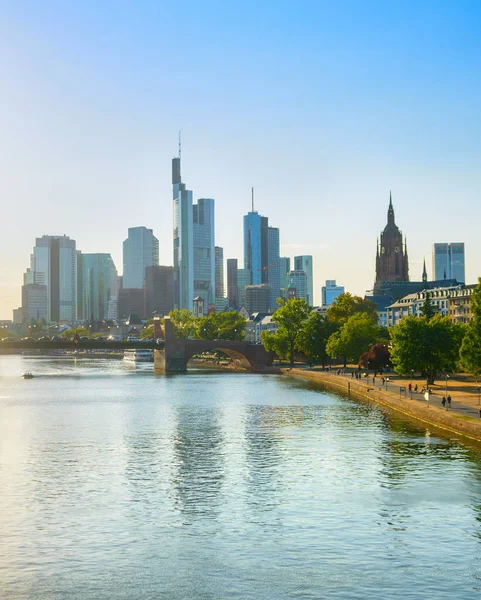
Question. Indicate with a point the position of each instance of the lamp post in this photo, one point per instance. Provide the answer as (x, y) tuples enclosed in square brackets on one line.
[(479, 395), (387, 379), (446, 391)]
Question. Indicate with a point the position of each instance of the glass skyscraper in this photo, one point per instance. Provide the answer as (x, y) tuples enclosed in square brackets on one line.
[(330, 292), (97, 280), (141, 250), (448, 261), (304, 263), (183, 241), (204, 250), (273, 266)]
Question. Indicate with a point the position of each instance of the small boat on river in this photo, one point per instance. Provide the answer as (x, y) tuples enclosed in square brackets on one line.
[(27, 375)]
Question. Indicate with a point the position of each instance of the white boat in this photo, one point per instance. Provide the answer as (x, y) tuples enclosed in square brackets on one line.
[(139, 355)]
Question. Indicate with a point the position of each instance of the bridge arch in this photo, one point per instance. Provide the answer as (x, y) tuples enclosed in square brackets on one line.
[(237, 356)]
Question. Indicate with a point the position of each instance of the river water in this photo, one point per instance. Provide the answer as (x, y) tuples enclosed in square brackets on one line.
[(118, 483)]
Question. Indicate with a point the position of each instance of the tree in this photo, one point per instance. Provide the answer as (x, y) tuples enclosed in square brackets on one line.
[(313, 337), (291, 317), (470, 352), (221, 326), (76, 332), (147, 332), (428, 310), (377, 357), (183, 322), (346, 305), (353, 338), (426, 345)]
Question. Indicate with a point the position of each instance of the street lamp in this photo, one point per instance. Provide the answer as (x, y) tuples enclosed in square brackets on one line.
[(446, 390), (387, 379)]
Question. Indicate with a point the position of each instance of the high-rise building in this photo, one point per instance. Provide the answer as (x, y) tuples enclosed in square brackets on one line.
[(392, 257), (330, 292), (34, 302), (304, 263), (284, 267), (54, 264), (258, 298), (448, 261), (297, 287), (141, 250), (97, 284), (159, 290), (232, 290), (243, 280), (204, 250), (256, 246), (219, 272), (131, 302), (273, 266)]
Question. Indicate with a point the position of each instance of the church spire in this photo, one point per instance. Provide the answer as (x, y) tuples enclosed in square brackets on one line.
[(390, 211), (425, 274)]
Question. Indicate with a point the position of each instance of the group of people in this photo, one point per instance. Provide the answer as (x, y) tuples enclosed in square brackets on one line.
[(446, 401)]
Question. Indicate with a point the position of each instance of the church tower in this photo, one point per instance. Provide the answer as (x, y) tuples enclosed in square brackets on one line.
[(391, 255)]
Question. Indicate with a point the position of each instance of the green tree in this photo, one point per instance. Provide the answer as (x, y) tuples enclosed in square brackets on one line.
[(426, 345), (183, 322), (276, 341), (470, 352), (291, 317), (313, 337), (428, 310), (147, 332), (355, 337), (76, 332), (346, 305), (221, 326)]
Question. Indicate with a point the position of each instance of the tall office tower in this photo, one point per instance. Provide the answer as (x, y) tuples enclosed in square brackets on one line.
[(297, 287), (54, 264), (304, 263), (330, 292), (141, 249), (448, 261), (219, 272), (131, 302), (256, 246), (284, 267), (258, 298), (97, 282), (273, 266), (204, 250), (183, 240), (159, 290), (243, 280), (232, 291)]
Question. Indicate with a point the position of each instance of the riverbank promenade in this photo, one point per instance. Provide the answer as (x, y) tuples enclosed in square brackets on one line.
[(461, 417)]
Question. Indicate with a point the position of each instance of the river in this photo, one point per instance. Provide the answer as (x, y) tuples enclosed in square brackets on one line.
[(118, 483)]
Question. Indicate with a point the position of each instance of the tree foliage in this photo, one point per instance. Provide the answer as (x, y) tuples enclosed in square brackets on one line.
[(183, 322), (291, 317), (470, 352), (346, 305), (428, 310), (221, 326), (313, 337), (147, 332), (75, 332), (354, 337), (276, 342), (377, 357), (425, 345)]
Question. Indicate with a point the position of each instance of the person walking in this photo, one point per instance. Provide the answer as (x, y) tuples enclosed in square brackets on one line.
[(443, 401), (449, 401)]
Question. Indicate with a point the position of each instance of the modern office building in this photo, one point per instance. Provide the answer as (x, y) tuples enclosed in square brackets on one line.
[(297, 287), (243, 280), (330, 292), (304, 263), (273, 266), (258, 298), (232, 290), (448, 261), (256, 246), (96, 284), (131, 302), (219, 272), (204, 250), (141, 250), (284, 268), (159, 290), (54, 264), (34, 302)]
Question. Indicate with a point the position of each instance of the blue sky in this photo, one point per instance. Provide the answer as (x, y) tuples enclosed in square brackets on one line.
[(323, 107)]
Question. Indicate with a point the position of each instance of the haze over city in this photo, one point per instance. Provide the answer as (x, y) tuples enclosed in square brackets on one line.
[(323, 109)]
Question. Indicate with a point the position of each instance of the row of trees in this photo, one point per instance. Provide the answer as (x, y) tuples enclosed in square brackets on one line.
[(348, 330)]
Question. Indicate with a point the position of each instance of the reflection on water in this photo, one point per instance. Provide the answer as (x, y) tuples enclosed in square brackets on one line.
[(118, 483)]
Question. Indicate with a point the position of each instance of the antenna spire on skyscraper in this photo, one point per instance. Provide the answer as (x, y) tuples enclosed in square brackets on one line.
[(252, 199)]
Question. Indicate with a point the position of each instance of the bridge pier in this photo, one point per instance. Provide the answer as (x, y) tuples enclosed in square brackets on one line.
[(170, 364)]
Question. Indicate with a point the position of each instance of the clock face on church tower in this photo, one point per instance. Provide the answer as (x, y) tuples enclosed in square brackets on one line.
[(383, 250), (396, 249)]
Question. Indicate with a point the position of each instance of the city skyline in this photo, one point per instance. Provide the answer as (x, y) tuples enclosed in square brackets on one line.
[(387, 109)]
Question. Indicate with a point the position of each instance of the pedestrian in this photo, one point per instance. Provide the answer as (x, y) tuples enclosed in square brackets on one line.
[(409, 387), (480, 413), (416, 388), (443, 401), (449, 401), (352, 374)]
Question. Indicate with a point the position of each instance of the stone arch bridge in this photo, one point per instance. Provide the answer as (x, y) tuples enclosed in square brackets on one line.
[(176, 353)]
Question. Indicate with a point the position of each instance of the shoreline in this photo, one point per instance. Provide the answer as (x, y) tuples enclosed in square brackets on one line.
[(445, 421)]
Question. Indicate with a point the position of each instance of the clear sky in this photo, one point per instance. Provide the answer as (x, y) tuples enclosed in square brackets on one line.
[(323, 107)]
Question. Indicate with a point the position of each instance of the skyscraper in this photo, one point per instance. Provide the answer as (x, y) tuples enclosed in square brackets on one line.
[(243, 280), (253, 244), (54, 264), (232, 291), (330, 292), (448, 261), (204, 250), (159, 290), (392, 259), (304, 263), (297, 287), (183, 240), (273, 266), (285, 267), (97, 279), (141, 249)]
